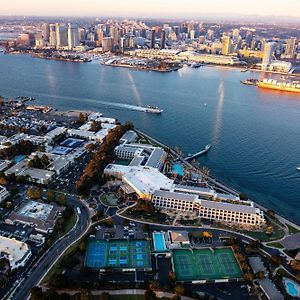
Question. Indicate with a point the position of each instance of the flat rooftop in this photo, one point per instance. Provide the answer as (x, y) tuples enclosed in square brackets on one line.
[(14, 250)]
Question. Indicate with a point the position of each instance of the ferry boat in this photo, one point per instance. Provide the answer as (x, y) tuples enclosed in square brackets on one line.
[(286, 86), (250, 81), (153, 110)]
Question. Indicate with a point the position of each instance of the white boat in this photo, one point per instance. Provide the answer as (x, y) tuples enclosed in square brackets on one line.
[(153, 109), (298, 168)]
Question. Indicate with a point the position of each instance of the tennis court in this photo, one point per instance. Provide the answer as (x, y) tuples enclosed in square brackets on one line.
[(201, 264), (118, 254)]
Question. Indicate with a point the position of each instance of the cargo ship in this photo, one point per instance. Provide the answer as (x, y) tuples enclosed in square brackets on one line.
[(286, 86)]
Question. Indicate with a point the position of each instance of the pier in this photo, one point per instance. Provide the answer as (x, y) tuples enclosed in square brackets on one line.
[(204, 151)]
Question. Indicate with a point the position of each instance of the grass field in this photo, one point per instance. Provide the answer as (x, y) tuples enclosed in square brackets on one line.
[(118, 254), (200, 264)]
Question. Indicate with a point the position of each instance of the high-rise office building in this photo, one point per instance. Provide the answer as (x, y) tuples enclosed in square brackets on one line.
[(268, 54), (192, 34), (235, 35), (107, 44), (210, 34), (226, 45), (163, 39), (131, 41), (82, 33), (114, 33), (61, 35), (73, 36), (152, 39), (52, 35), (290, 49), (46, 32)]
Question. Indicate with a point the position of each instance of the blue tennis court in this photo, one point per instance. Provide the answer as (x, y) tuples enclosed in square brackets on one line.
[(118, 254)]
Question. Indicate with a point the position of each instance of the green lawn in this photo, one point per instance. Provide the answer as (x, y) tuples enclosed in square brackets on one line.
[(109, 199), (276, 245), (292, 230), (277, 234)]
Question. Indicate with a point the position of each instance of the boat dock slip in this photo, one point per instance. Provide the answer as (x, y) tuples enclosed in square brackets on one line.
[(204, 151)]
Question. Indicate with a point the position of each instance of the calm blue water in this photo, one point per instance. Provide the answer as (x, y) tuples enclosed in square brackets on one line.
[(255, 134), (159, 241)]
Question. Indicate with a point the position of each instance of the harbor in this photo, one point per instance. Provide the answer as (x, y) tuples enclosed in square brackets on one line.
[(228, 120)]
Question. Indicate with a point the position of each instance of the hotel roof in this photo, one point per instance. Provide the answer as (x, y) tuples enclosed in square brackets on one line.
[(228, 206), (147, 180), (175, 196)]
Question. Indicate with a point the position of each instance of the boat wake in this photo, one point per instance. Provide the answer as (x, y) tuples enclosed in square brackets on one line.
[(106, 104)]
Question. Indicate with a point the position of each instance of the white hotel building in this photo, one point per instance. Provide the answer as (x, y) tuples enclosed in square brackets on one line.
[(148, 183)]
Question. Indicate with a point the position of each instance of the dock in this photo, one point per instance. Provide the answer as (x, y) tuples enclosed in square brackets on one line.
[(204, 151)]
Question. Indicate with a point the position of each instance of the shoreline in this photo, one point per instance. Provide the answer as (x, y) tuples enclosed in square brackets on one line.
[(217, 182)]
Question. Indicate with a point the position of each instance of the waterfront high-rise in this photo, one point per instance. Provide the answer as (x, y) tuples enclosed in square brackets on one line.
[(163, 39), (267, 56), (46, 32), (152, 39), (52, 35), (61, 35), (290, 49), (226, 45), (73, 36)]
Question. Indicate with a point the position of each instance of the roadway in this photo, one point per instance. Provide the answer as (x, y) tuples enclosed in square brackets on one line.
[(42, 267)]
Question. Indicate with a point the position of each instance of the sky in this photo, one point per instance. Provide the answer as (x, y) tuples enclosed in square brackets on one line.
[(150, 8)]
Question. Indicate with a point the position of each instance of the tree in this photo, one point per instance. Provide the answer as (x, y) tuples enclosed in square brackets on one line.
[(179, 289), (171, 276), (36, 293), (82, 118), (248, 277), (295, 264), (34, 193), (51, 196), (62, 199), (96, 126), (149, 295), (90, 147), (276, 260)]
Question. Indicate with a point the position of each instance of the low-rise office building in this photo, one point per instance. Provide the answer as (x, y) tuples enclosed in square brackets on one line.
[(3, 193), (16, 252), (40, 215)]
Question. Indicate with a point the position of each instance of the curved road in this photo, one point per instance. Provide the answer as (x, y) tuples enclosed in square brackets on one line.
[(54, 252)]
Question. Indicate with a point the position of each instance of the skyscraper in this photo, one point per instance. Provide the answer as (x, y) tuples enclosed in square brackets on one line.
[(152, 39), (45, 32), (267, 57), (163, 39), (73, 36), (226, 45), (52, 35), (235, 35), (61, 35), (290, 48)]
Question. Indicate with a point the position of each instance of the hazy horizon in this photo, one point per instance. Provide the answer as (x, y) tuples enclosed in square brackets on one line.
[(153, 8)]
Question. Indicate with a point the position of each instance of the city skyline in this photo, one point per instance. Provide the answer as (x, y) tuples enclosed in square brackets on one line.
[(151, 8)]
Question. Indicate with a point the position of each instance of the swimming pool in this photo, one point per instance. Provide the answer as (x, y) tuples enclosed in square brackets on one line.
[(178, 169), (19, 158), (292, 288), (159, 241)]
